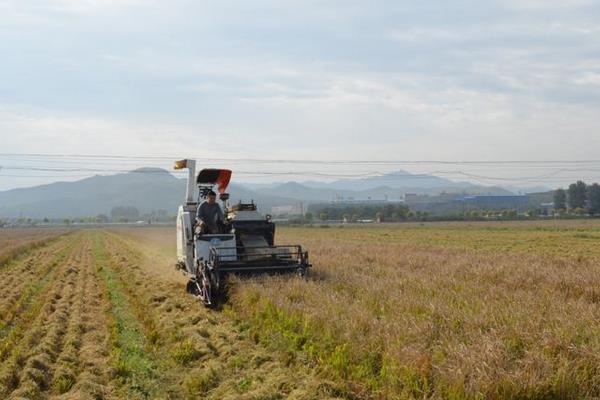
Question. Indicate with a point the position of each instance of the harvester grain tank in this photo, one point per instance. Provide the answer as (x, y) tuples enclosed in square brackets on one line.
[(244, 241)]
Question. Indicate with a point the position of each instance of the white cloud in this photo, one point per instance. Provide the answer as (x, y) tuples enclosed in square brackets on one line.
[(588, 78), (415, 35), (545, 4), (285, 79), (31, 131)]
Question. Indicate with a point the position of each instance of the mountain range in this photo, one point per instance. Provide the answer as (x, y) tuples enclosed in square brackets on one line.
[(146, 189), (153, 189)]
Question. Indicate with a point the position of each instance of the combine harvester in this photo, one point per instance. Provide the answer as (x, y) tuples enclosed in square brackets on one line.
[(244, 242)]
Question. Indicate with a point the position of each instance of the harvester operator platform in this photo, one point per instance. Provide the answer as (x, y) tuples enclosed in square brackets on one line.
[(209, 214)]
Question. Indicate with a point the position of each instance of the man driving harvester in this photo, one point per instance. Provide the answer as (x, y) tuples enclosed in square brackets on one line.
[(209, 214)]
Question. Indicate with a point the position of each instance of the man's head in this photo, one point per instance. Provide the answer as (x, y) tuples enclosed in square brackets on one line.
[(212, 197)]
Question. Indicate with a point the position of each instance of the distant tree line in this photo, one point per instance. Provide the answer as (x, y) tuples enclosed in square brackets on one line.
[(579, 198), (356, 212), (488, 214), (122, 214), (400, 213)]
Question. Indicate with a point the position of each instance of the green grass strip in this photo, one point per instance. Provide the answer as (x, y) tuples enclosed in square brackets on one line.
[(358, 374), (132, 363)]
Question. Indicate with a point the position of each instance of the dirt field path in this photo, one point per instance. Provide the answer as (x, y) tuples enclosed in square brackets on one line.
[(95, 315)]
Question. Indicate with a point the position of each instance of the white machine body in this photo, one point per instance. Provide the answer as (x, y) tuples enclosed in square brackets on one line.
[(185, 237), (242, 243), (191, 249), (207, 242)]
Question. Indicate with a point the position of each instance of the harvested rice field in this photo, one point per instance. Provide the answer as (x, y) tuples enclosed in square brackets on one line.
[(90, 316), (449, 310)]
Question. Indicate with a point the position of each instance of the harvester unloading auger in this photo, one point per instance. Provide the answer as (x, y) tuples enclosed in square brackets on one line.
[(244, 242)]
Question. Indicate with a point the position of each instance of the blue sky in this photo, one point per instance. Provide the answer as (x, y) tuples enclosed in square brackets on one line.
[(462, 80)]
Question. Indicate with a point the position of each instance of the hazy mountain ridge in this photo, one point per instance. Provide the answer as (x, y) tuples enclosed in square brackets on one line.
[(153, 189), (145, 189), (392, 186), (396, 179)]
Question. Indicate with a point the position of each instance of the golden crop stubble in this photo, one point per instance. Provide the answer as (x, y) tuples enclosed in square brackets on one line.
[(35, 337), (461, 313), (14, 242), (214, 354)]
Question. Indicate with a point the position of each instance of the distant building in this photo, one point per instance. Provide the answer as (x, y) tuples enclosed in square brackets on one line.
[(296, 209), (339, 200), (496, 202), (414, 198)]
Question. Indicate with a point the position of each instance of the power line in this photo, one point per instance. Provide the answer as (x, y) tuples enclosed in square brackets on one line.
[(105, 157), (551, 176), (38, 165)]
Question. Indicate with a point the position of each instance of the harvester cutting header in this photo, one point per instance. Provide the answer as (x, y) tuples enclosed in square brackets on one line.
[(212, 242)]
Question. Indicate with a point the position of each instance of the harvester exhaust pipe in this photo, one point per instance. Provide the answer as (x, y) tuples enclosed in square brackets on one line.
[(191, 167)]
